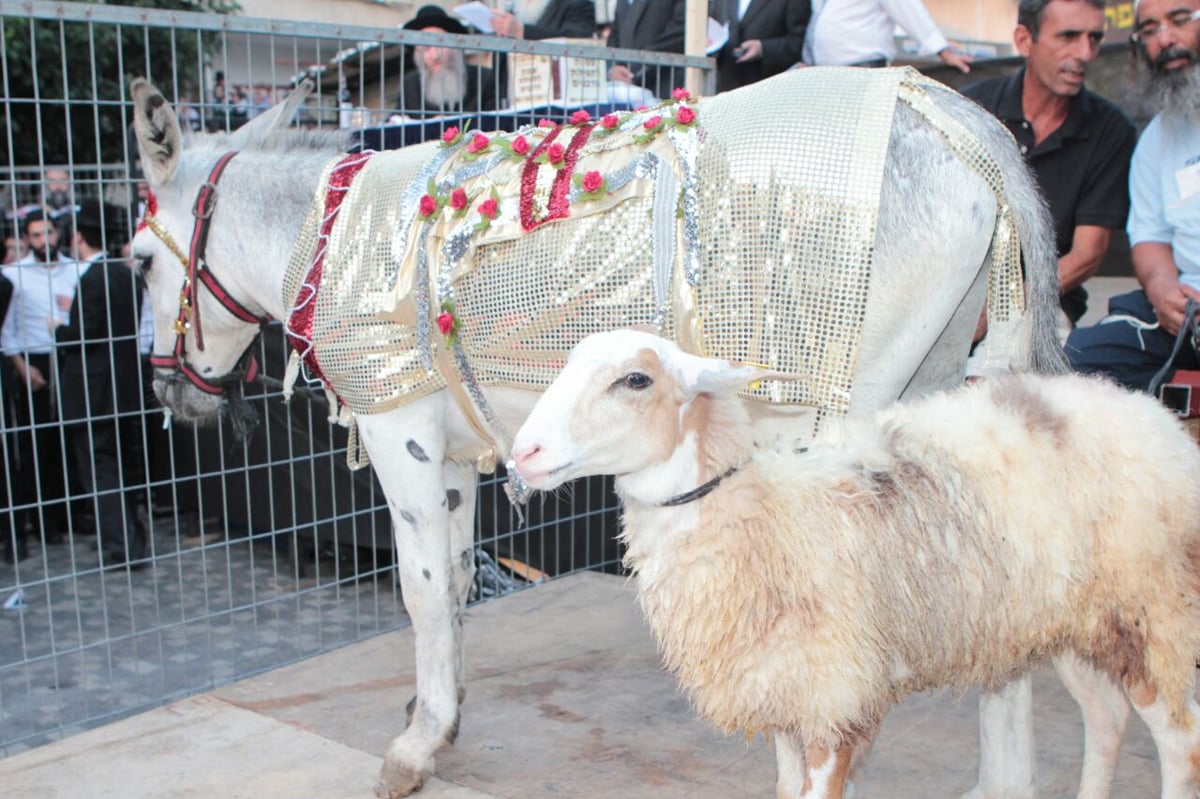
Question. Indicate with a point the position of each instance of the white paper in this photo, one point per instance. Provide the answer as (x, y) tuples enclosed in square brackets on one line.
[(1188, 181), (718, 34), (477, 14)]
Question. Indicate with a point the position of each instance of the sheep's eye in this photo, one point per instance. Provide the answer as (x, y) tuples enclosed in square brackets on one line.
[(636, 380)]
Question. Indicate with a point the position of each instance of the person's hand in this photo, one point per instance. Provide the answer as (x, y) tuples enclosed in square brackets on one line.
[(505, 24), (33, 377), (620, 73), (958, 60), (1169, 298), (749, 50)]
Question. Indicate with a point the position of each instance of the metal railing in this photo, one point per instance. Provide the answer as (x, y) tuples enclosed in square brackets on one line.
[(262, 551)]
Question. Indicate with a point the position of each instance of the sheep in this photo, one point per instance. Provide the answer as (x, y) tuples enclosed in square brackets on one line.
[(950, 542)]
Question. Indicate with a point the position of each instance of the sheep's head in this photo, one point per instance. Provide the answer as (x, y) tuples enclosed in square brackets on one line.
[(626, 403)]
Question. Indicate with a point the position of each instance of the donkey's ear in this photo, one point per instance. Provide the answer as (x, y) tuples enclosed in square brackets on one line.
[(158, 134), (273, 119)]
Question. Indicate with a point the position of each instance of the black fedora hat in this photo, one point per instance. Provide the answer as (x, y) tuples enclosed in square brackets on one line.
[(98, 215), (432, 16)]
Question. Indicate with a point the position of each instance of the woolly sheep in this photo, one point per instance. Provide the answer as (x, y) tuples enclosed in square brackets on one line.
[(952, 542)]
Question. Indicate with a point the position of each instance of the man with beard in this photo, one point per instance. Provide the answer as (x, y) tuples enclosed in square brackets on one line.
[(546, 19), (1136, 343), (43, 287), (1077, 143), (443, 83)]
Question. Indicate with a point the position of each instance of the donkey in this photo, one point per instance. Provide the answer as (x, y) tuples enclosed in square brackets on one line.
[(932, 247)]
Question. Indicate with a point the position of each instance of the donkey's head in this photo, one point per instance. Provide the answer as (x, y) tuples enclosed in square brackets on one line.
[(191, 248)]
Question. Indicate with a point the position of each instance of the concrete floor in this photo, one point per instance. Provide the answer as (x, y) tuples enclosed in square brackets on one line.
[(565, 698)]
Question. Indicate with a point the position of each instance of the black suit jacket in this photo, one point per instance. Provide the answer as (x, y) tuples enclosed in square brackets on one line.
[(651, 25), (780, 26), (574, 19), (99, 360)]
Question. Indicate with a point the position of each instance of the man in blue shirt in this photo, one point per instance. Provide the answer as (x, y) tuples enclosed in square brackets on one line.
[(1136, 341)]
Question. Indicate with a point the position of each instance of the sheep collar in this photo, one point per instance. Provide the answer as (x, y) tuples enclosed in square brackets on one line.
[(698, 492)]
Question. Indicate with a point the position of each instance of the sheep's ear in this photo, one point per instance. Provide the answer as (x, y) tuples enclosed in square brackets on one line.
[(157, 130), (716, 376), (271, 120)]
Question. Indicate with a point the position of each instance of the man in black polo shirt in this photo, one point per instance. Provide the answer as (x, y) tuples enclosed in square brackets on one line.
[(1077, 143)]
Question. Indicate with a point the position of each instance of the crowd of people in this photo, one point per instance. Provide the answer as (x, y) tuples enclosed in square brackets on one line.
[(72, 384)]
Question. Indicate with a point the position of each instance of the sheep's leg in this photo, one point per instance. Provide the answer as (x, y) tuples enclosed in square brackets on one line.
[(1178, 741), (407, 452), (811, 772), (1105, 712), (1007, 768), (790, 768)]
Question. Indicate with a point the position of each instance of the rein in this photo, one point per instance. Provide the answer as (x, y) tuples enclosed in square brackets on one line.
[(698, 492), (196, 265)]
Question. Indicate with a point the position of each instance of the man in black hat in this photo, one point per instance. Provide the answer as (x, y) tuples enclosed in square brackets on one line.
[(101, 382), (443, 83)]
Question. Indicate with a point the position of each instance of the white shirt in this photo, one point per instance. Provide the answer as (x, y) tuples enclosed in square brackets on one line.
[(41, 301), (844, 32), (1164, 192)]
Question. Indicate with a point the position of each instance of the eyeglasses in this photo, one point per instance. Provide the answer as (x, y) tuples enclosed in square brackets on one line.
[(1176, 20)]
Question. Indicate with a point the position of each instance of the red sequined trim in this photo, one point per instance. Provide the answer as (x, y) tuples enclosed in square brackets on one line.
[(558, 205), (300, 322)]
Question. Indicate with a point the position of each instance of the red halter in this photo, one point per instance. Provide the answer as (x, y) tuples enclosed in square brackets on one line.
[(197, 269)]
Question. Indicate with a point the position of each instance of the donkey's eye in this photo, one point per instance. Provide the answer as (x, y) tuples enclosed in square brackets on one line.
[(144, 263), (636, 381)]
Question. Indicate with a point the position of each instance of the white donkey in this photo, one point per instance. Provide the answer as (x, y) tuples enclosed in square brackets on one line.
[(949, 183)]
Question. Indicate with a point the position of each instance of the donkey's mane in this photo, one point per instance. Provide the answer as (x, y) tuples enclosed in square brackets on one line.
[(281, 141)]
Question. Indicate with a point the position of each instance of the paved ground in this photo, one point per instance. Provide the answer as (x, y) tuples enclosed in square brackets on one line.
[(565, 698)]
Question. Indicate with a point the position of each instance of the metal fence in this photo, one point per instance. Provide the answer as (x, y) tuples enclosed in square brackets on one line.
[(260, 551)]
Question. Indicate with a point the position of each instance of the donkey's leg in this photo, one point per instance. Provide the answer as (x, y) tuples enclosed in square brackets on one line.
[(1177, 740), (1105, 712), (461, 485), (407, 448), (814, 772), (1007, 765)]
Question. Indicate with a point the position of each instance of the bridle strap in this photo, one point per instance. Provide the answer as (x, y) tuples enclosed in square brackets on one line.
[(698, 492), (197, 269), (202, 210)]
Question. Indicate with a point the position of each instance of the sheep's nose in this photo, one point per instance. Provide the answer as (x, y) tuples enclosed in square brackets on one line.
[(525, 454)]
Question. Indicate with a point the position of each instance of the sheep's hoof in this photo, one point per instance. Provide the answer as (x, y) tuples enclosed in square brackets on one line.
[(398, 779)]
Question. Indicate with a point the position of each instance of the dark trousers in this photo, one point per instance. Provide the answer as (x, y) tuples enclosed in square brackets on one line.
[(1129, 353), (41, 453), (108, 457)]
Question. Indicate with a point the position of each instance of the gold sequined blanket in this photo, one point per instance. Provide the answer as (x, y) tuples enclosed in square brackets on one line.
[(731, 224)]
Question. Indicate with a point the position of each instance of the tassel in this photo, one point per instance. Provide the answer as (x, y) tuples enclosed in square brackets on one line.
[(356, 454), (290, 375)]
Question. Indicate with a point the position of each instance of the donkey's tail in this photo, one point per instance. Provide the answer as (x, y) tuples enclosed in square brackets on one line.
[(1035, 231), (1021, 204)]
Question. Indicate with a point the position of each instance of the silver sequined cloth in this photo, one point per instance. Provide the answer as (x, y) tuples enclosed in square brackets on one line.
[(747, 235)]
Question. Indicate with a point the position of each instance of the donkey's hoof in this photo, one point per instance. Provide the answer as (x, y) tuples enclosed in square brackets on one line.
[(397, 779)]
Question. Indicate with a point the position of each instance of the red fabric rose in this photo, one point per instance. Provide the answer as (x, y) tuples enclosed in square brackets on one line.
[(592, 181), (681, 94), (449, 135), (478, 143), (428, 205), (581, 117), (520, 145), (458, 199), (547, 123), (445, 322), (652, 123), (556, 153), (489, 208), (609, 121), (642, 108), (685, 115)]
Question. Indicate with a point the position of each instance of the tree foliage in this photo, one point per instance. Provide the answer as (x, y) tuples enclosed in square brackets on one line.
[(66, 84)]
